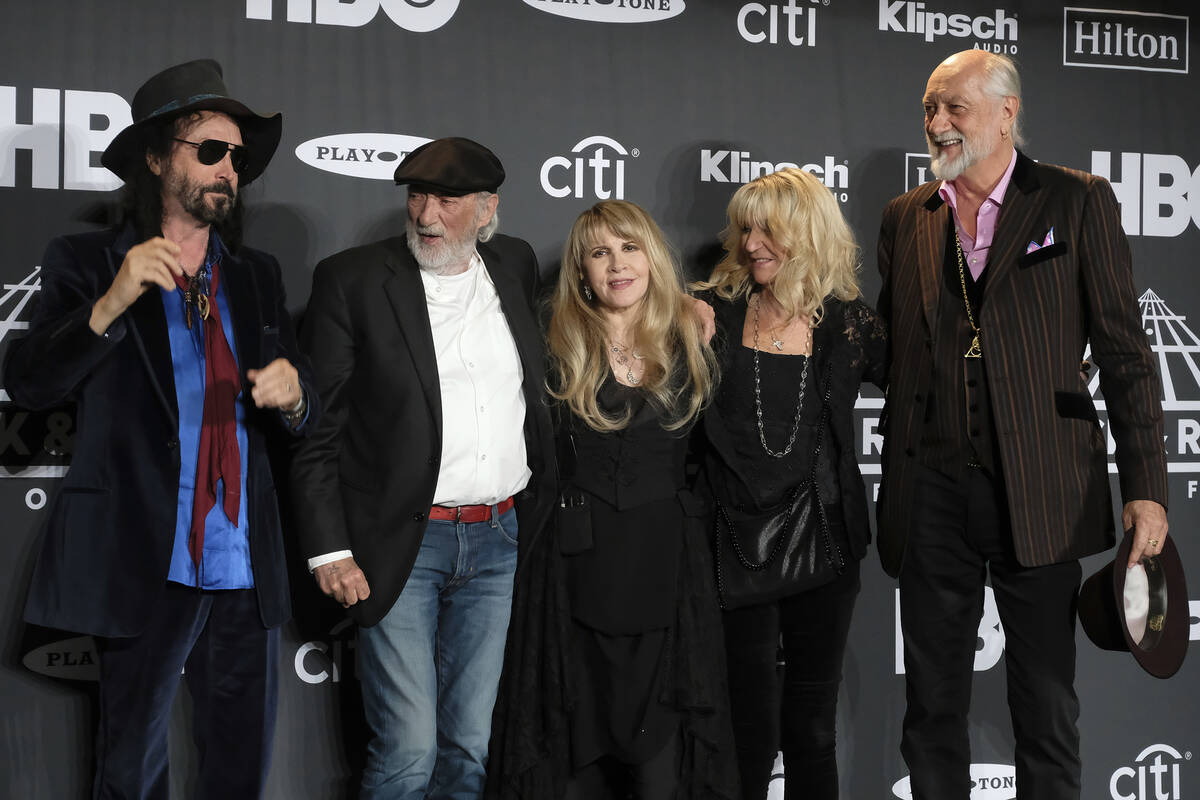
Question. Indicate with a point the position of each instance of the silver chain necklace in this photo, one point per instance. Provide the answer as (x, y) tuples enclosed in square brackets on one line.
[(624, 361), (762, 437)]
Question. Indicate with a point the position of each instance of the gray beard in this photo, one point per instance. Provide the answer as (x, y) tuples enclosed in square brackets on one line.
[(948, 169), (442, 259)]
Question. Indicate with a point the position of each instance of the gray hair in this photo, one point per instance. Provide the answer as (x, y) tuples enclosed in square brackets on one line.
[(489, 230), (1002, 80)]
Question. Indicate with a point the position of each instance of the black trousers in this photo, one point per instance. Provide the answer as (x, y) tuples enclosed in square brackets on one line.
[(962, 534), (232, 671), (792, 708)]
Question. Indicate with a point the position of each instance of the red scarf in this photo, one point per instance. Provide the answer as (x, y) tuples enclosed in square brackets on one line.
[(219, 456)]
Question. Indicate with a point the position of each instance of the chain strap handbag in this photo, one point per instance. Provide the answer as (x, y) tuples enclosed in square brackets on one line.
[(765, 555)]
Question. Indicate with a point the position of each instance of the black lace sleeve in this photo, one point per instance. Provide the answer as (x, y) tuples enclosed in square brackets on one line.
[(867, 333)]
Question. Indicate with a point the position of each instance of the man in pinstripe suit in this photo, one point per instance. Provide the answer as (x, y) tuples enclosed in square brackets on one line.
[(995, 277)]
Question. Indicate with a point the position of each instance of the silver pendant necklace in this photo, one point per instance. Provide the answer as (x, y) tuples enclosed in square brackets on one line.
[(622, 354), (762, 437)]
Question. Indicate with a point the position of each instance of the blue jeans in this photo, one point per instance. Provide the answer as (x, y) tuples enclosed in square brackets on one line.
[(431, 667)]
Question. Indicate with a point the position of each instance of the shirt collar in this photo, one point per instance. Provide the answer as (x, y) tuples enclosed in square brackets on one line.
[(949, 191)]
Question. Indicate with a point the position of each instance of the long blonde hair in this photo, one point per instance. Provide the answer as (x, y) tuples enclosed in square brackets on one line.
[(801, 215), (680, 369)]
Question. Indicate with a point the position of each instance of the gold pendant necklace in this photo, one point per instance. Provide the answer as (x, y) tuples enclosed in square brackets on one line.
[(975, 350)]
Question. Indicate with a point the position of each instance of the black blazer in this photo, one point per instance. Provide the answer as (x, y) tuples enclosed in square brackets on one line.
[(364, 480), (107, 545)]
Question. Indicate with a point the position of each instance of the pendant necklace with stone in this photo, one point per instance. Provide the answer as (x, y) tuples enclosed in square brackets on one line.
[(622, 354)]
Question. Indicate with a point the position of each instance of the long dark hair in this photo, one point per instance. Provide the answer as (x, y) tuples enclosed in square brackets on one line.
[(141, 197)]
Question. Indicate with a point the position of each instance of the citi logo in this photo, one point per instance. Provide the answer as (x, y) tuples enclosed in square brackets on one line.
[(69, 122), (907, 16), (1154, 775), (73, 659), (738, 166), (320, 661), (990, 645), (1138, 40), (420, 16), (988, 782), (759, 23), (359, 155), (1159, 194), (611, 10), (595, 168)]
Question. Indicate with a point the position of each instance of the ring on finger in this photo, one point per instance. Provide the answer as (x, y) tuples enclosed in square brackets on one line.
[(1153, 542)]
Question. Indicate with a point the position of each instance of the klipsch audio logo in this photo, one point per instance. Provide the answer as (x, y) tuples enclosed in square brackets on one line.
[(420, 16), (740, 166), (996, 32), (988, 782), (1159, 193), (76, 124), (359, 155), (1154, 775), (794, 22), (611, 10), (1140, 40), (594, 168)]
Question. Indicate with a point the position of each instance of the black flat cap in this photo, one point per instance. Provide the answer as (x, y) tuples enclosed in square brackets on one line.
[(194, 86), (452, 166)]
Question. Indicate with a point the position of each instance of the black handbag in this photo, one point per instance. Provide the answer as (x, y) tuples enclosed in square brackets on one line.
[(762, 556)]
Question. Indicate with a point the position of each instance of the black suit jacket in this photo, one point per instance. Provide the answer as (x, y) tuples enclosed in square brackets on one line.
[(1041, 309), (364, 481), (107, 545)]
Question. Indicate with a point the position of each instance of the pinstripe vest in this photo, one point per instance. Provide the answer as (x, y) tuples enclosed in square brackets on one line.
[(958, 428)]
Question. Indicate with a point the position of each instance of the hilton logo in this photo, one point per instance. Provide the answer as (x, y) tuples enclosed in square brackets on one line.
[(1125, 40)]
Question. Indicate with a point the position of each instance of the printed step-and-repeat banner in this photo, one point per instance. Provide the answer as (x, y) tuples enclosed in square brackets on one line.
[(671, 104)]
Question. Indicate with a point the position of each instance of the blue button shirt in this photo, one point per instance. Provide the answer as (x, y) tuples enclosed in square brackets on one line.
[(225, 563)]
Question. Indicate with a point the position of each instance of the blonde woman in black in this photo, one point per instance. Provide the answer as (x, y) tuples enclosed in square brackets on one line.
[(795, 341)]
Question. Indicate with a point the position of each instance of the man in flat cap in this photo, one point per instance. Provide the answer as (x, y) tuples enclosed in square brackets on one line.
[(174, 343), (435, 448)]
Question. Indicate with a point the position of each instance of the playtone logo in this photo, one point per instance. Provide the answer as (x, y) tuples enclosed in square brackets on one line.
[(907, 16), (419, 16), (739, 166), (359, 155), (606, 166), (73, 659), (1159, 194), (1154, 775), (76, 123), (1125, 40), (759, 23), (988, 782), (611, 10)]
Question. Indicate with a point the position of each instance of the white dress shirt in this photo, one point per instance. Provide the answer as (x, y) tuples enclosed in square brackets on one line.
[(483, 407)]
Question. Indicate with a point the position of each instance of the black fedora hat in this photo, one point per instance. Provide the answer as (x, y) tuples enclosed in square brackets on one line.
[(1143, 611), (194, 86)]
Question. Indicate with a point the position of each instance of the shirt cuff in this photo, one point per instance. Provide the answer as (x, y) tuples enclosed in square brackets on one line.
[(328, 558)]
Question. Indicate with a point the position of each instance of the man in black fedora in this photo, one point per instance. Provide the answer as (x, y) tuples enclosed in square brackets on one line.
[(429, 359), (174, 343)]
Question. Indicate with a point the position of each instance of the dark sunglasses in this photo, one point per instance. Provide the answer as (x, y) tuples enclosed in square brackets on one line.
[(211, 151)]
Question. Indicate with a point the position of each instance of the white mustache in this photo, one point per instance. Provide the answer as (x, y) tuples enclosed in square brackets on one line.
[(430, 230)]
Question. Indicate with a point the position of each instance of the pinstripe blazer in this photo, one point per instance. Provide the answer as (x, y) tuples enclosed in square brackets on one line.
[(1040, 311)]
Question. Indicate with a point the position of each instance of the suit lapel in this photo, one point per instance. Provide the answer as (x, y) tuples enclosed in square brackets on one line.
[(242, 293), (147, 327), (1023, 203), (931, 251), (406, 294)]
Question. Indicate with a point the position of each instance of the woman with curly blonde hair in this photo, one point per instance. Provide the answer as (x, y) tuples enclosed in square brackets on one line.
[(794, 342), (610, 687)]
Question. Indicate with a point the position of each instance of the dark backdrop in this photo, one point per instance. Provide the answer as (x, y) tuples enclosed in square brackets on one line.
[(668, 103)]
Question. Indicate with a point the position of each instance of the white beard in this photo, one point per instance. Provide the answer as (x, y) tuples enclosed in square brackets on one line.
[(948, 169), (440, 258)]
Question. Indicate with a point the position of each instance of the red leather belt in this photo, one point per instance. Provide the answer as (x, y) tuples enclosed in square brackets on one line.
[(469, 513)]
